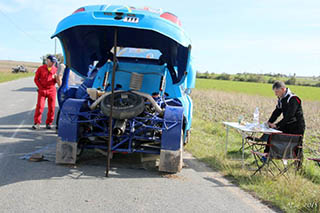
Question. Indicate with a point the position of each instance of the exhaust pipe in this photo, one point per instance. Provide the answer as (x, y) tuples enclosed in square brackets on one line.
[(119, 127)]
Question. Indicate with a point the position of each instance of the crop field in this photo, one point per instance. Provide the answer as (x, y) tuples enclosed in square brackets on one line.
[(226, 101), (5, 70), (306, 93)]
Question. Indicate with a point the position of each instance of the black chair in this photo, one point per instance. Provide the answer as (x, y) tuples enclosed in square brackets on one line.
[(315, 153), (317, 160), (280, 147)]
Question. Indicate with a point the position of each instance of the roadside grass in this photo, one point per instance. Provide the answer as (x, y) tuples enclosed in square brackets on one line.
[(305, 93), (7, 65), (7, 76), (301, 193)]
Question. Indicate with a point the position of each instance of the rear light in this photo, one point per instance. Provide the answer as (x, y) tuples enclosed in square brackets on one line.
[(81, 9), (171, 17)]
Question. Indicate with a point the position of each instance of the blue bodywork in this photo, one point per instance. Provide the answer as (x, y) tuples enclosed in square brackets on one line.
[(150, 45)]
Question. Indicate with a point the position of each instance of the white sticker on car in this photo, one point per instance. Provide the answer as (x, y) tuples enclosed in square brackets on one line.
[(131, 19)]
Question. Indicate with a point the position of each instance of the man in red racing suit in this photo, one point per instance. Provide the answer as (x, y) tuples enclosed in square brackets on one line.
[(46, 79)]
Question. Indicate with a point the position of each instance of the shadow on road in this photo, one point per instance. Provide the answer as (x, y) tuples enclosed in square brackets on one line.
[(91, 165), (27, 116), (26, 89), (219, 183), (15, 144)]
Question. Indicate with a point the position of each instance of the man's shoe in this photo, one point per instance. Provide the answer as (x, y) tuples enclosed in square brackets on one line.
[(36, 126), (48, 126), (264, 159)]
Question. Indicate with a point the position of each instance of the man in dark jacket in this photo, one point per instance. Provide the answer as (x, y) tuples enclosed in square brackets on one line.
[(290, 106)]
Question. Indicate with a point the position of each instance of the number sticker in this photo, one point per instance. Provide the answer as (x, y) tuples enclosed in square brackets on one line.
[(131, 19)]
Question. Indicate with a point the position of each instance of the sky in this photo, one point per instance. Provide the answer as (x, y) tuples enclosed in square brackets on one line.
[(228, 36)]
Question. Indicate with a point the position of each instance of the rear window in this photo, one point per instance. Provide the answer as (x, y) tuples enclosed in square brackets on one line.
[(130, 52)]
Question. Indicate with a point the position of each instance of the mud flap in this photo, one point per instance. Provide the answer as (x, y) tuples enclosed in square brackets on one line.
[(171, 154), (171, 161), (66, 152)]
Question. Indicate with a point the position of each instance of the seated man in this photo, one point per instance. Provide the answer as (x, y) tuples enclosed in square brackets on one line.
[(290, 106)]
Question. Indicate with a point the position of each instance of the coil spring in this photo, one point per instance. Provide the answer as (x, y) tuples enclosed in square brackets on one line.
[(136, 81)]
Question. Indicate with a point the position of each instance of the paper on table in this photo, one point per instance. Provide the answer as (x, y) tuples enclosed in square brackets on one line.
[(260, 127)]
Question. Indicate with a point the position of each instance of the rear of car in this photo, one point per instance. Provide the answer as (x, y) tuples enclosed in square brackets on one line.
[(152, 109)]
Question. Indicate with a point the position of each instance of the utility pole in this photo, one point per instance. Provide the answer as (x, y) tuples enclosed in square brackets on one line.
[(55, 46)]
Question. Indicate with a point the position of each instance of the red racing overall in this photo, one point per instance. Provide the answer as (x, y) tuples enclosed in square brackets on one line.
[(45, 81)]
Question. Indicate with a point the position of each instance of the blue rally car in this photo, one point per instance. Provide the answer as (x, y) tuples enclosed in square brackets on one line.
[(136, 68)]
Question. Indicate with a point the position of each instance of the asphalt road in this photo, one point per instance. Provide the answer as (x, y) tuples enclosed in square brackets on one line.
[(46, 187)]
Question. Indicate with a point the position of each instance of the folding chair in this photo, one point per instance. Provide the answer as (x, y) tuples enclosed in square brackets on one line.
[(317, 160), (317, 154), (257, 143), (282, 147)]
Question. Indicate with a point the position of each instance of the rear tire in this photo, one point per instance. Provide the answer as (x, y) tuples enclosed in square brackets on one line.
[(187, 140)]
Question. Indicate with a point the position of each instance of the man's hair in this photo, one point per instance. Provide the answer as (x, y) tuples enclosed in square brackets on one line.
[(52, 58), (278, 85)]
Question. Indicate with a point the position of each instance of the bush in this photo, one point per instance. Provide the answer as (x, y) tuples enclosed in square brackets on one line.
[(291, 81), (305, 84), (223, 76), (271, 80), (255, 78), (239, 78)]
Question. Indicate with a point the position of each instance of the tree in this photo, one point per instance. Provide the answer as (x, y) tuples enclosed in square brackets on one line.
[(291, 81)]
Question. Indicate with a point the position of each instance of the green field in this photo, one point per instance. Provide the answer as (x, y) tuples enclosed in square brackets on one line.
[(305, 93)]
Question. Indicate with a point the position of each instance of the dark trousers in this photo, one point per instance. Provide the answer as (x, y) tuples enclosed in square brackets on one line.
[(57, 119)]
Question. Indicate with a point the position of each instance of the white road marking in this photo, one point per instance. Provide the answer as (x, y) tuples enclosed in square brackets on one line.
[(17, 130)]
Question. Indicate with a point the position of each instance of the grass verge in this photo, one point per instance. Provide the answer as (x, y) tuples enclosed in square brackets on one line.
[(301, 193), (7, 76)]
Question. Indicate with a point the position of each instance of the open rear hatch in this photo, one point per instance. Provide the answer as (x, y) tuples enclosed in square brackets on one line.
[(88, 36)]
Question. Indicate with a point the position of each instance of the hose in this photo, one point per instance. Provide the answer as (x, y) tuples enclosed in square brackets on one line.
[(95, 104), (152, 101)]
